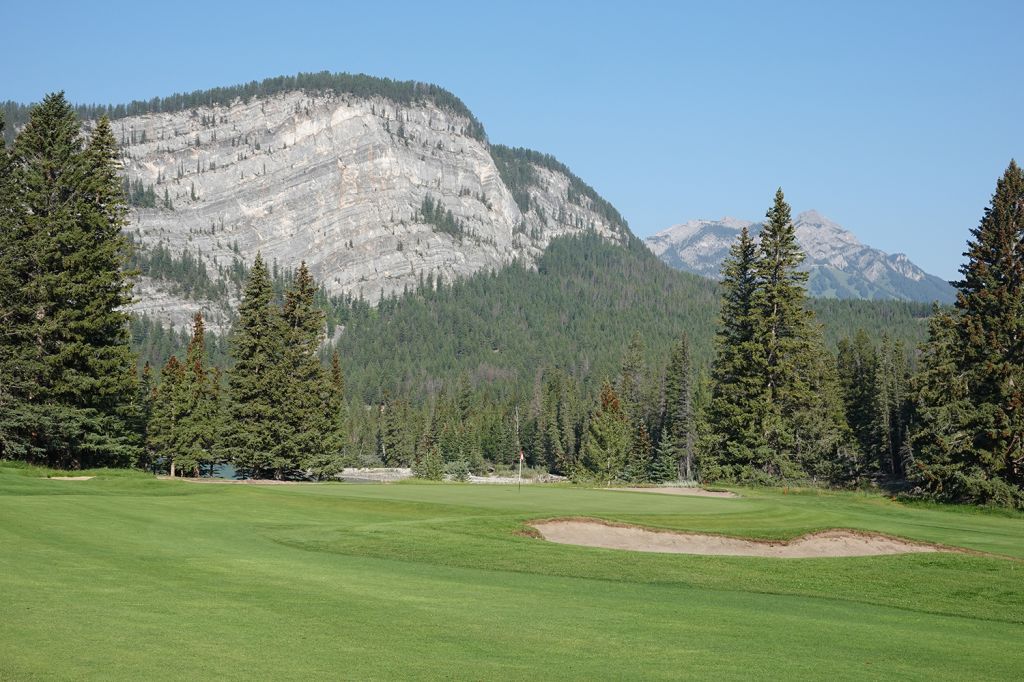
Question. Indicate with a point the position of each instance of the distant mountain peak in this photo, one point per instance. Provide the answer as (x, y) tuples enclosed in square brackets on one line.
[(812, 216), (840, 265)]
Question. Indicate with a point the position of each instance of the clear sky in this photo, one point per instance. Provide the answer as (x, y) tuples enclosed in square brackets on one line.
[(892, 118)]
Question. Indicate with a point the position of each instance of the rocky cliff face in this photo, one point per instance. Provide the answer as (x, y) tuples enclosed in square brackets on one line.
[(840, 265), (340, 182)]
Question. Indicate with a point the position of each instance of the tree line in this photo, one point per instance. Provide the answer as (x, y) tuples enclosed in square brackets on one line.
[(359, 85), (766, 400)]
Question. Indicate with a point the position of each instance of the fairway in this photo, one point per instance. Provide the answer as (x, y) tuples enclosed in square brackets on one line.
[(129, 577)]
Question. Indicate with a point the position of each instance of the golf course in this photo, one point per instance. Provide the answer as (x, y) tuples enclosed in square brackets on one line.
[(125, 576)]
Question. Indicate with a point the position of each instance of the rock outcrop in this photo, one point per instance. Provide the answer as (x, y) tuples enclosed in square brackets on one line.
[(339, 181)]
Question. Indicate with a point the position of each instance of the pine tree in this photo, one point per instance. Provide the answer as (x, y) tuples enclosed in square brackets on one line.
[(942, 404), (74, 375), (167, 412), (679, 436), (606, 445), (988, 352), (802, 418), (781, 322), (144, 410), (332, 461), (305, 417), (733, 437), (631, 378), (334, 443), (640, 457), (776, 411), (195, 433), (15, 417), (253, 431), (858, 376), (891, 409)]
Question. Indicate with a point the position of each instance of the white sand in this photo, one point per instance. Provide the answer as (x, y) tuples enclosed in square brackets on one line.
[(831, 543)]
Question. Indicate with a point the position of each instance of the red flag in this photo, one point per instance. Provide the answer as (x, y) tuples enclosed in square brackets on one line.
[(521, 456)]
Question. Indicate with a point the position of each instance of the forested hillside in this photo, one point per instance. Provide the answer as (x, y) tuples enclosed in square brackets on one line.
[(576, 311)]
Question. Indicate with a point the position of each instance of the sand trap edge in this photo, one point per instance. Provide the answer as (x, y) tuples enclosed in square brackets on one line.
[(696, 543)]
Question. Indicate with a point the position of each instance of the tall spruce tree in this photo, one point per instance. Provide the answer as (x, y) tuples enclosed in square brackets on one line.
[(857, 361), (775, 411), (606, 444), (306, 408), (74, 382), (162, 433), (806, 434), (733, 437), (891, 409), (196, 432), (254, 430), (782, 328), (974, 450), (678, 439)]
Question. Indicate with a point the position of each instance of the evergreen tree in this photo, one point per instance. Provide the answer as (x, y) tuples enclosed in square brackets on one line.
[(679, 437), (640, 458), (782, 329), (162, 438), (397, 446), (305, 418), (72, 373), (858, 377), (631, 378), (254, 433), (776, 410), (733, 438), (942, 405), (335, 441), (332, 461), (973, 450), (802, 416), (430, 466), (13, 385), (195, 433), (606, 445), (144, 409), (891, 409)]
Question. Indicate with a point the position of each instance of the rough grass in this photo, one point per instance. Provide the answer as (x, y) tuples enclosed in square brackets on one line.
[(129, 577)]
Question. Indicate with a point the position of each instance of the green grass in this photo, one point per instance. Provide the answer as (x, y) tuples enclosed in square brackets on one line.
[(128, 577)]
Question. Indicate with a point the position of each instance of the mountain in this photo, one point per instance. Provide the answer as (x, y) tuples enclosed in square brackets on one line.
[(840, 265), (376, 184)]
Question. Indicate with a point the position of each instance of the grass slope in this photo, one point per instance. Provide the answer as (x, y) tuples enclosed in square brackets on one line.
[(130, 577)]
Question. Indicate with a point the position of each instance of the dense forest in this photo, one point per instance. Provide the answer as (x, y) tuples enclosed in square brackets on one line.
[(602, 364), (576, 311)]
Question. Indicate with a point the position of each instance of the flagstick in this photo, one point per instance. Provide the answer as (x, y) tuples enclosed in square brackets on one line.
[(520, 471)]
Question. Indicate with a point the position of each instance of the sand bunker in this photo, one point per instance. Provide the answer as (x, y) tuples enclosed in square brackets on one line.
[(831, 543), (678, 490), (70, 478)]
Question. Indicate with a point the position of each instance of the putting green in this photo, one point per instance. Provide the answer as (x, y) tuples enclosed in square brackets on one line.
[(124, 576)]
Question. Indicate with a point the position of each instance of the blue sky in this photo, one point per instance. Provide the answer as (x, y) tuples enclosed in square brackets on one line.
[(894, 119)]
